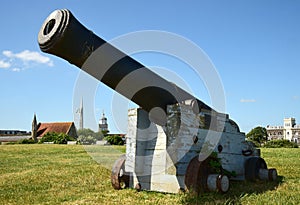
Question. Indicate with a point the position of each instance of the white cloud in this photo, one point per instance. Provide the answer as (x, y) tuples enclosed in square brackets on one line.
[(29, 56), (4, 64), (25, 59), (16, 69), (8, 54), (247, 100)]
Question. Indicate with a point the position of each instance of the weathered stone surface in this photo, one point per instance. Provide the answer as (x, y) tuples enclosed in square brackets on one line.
[(158, 156)]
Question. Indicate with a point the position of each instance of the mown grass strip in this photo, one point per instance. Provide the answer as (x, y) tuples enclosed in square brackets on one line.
[(74, 174)]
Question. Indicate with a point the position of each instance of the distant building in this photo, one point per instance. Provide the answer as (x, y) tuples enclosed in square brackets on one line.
[(13, 132), (81, 115), (289, 131), (34, 128), (40, 129), (13, 135), (103, 126)]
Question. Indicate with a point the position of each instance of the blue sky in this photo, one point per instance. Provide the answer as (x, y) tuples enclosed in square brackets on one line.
[(254, 45)]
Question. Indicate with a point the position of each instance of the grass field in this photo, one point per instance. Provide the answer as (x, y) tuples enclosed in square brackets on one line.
[(73, 174)]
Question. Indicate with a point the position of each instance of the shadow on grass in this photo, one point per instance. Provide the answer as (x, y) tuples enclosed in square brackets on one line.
[(238, 189)]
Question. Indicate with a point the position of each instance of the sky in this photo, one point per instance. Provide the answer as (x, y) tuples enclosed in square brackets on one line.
[(254, 46)]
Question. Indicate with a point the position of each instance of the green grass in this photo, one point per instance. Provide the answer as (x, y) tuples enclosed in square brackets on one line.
[(74, 174)]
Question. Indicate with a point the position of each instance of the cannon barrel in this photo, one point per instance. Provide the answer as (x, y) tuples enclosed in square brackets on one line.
[(64, 36)]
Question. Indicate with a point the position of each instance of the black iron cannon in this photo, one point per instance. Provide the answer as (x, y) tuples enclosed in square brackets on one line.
[(64, 36), (152, 153)]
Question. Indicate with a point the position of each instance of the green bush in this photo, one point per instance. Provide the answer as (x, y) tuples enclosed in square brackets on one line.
[(83, 139), (280, 143), (26, 141), (90, 133), (56, 138), (9, 143), (114, 140)]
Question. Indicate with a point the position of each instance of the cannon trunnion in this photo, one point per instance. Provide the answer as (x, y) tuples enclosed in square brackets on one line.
[(174, 140)]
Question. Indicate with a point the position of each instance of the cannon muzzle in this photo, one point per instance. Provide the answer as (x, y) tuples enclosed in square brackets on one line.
[(63, 35)]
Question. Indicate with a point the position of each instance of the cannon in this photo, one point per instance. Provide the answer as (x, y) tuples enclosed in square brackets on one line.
[(174, 141)]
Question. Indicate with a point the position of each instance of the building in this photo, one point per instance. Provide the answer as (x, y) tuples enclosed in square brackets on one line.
[(40, 129), (103, 126), (289, 131), (81, 115), (13, 132), (13, 135)]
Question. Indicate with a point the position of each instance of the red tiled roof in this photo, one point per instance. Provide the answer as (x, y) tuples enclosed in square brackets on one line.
[(58, 127)]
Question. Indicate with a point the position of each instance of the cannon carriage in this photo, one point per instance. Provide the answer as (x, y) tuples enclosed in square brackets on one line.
[(174, 141)]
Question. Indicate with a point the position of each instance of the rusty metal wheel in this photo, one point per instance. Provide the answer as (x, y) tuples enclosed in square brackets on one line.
[(252, 167), (196, 175), (119, 178)]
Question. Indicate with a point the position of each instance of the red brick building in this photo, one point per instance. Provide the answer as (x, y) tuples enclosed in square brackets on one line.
[(40, 129)]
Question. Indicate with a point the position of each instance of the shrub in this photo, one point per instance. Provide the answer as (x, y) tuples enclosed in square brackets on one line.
[(56, 138), (83, 139), (90, 133), (9, 143), (114, 140), (26, 141), (280, 143)]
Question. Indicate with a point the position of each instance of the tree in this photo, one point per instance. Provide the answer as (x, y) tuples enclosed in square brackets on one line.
[(86, 139), (88, 136), (85, 132), (258, 134), (90, 133)]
